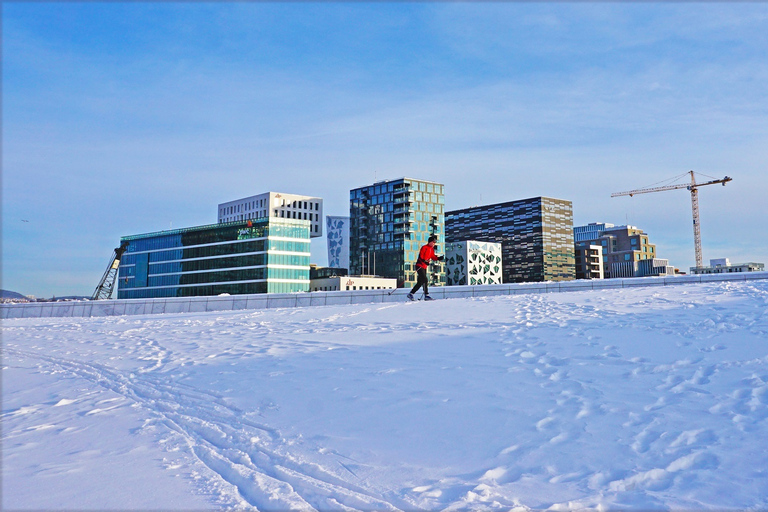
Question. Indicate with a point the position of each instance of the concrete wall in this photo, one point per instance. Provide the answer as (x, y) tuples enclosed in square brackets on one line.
[(292, 300)]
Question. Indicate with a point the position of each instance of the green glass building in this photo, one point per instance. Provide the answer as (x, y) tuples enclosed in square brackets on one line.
[(389, 222), (267, 255)]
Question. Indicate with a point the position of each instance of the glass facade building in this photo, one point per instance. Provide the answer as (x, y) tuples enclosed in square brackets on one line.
[(266, 255), (536, 236), (389, 222)]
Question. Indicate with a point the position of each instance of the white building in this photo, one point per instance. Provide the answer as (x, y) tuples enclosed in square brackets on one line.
[(724, 266), (472, 262), (336, 283), (338, 241), (275, 204), (589, 261)]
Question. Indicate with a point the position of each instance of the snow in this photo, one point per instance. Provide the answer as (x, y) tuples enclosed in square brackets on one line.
[(635, 398)]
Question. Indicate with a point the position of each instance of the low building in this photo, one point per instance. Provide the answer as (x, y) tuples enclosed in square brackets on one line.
[(275, 204), (642, 268), (589, 261), (472, 262), (337, 283), (724, 266), (265, 255)]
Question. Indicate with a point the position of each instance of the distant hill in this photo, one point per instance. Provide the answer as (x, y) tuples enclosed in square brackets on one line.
[(7, 294)]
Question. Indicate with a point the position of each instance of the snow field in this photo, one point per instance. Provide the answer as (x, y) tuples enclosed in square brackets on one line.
[(647, 398)]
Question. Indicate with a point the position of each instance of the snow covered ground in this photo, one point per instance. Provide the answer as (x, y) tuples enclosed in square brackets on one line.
[(645, 398)]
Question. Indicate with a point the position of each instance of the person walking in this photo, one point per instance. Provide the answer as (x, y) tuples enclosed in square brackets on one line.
[(426, 255)]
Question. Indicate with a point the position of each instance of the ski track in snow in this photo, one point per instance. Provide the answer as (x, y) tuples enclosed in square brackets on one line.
[(632, 399)]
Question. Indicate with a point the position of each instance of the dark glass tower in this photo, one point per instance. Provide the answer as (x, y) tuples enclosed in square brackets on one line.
[(389, 222), (536, 236)]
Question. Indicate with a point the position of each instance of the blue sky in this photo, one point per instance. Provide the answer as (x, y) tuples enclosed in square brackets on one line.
[(126, 118)]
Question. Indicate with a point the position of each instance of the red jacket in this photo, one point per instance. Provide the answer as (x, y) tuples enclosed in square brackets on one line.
[(426, 254)]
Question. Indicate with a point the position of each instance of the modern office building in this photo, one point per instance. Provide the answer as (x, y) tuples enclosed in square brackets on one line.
[(472, 262), (536, 236), (626, 250), (337, 235), (589, 261), (591, 231), (276, 204), (389, 222), (265, 255), (724, 266)]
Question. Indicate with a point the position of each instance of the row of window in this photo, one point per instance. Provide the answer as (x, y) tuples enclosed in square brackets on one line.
[(230, 288), (302, 205), (248, 274), (254, 246), (201, 252), (251, 260), (209, 236), (298, 215), (247, 206), (395, 187)]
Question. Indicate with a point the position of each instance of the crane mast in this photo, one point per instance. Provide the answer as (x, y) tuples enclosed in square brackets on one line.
[(107, 283), (694, 189)]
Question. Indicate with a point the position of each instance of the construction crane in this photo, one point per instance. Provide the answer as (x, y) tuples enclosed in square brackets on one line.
[(694, 188), (107, 283)]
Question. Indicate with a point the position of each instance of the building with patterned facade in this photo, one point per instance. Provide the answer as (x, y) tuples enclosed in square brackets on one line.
[(626, 250), (337, 236), (389, 222), (536, 236), (265, 255), (472, 263), (276, 204)]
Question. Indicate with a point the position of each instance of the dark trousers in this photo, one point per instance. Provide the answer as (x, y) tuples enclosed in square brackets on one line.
[(421, 280)]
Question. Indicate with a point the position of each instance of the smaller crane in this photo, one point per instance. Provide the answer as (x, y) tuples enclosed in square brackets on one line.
[(694, 188), (107, 283)]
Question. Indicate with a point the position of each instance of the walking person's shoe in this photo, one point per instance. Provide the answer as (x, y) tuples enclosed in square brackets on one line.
[(427, 297), (410, 296)]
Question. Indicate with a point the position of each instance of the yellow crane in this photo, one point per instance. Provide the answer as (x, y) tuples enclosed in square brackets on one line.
[(694, 188)]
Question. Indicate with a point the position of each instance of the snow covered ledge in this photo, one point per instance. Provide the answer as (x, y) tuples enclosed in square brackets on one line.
[(292, 300)]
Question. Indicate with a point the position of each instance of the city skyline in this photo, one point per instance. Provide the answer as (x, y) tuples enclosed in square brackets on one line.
[(124, 118)]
